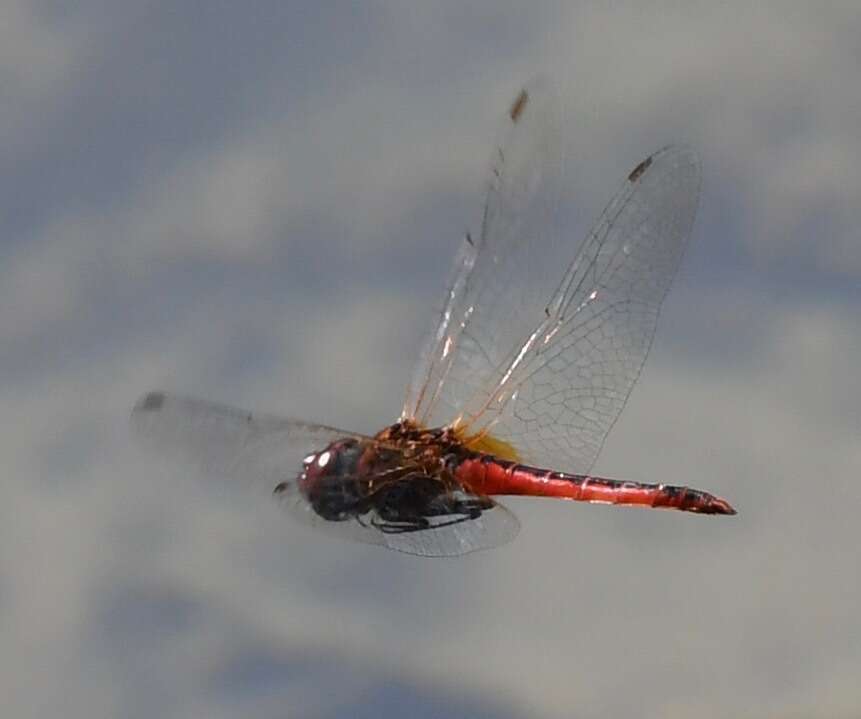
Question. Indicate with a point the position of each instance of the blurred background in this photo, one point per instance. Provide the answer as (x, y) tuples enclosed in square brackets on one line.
[(257, 203)]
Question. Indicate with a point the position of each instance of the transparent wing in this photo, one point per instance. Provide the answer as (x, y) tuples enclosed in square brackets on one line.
[(227, 442), (500, 283), (549, 371), (558, 395), (449, 534)]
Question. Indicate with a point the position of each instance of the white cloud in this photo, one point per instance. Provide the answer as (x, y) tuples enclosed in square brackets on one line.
[(592, 611), (768, 98), (38, 55), (35, 53)]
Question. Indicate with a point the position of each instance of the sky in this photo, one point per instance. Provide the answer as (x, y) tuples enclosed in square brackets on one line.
[(257, 203)]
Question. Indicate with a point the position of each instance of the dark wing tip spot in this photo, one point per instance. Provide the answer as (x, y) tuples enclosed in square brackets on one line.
[(517, 106), (151, 402), (638, 171), (280, 488)]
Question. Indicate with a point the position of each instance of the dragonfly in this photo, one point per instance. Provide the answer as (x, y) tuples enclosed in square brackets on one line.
[(533, 356)]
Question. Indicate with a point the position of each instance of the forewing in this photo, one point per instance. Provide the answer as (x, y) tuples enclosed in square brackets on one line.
[(267, 452), (504, 276), (537, 349), (558, 394), (448, 535), (227, 442)]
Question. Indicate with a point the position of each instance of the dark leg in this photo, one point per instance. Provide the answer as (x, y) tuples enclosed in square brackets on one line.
[(405, 506)]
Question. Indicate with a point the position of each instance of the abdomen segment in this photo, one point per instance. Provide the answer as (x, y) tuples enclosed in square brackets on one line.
[(485, 474)]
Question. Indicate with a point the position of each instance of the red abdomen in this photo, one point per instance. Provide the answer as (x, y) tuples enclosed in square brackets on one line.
[(485, 474)]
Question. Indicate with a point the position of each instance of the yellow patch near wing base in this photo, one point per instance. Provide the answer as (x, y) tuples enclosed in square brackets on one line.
[(488, 444)]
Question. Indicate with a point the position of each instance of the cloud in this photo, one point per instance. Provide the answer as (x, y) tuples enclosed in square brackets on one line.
[(37, 51), (258, 205), (762, 113)]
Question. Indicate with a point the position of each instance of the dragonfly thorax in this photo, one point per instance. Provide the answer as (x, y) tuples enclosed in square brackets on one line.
[(345, 478)]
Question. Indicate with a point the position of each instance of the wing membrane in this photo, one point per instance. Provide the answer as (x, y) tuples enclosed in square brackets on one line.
[(549, 371), (267, 451), (228, 442), (560, 395), (499, 286), (449, 535)]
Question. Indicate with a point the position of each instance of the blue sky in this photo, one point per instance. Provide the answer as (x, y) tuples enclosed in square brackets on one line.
[(257, 203)]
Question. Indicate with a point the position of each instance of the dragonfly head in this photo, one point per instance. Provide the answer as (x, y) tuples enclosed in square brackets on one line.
[(337, 459), (328, 479)]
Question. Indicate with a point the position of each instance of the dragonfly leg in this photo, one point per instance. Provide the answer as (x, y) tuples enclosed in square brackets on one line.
[(409, 504), (401, 527), (418, 525)]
